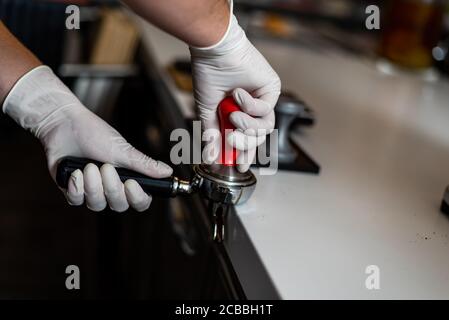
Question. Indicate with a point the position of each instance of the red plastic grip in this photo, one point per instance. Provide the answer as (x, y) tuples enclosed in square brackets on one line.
[(228, 155)]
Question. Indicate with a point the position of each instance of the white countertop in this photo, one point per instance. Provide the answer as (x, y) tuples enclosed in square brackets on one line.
[(383, 146)]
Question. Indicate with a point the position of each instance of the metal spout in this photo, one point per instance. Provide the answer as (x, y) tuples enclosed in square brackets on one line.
[(223, 186)]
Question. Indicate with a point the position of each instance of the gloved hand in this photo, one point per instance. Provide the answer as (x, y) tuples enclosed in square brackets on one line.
[(234, 66), (41, 103)]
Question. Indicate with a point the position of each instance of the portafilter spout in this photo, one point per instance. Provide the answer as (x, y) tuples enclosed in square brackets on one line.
[(223, 186)]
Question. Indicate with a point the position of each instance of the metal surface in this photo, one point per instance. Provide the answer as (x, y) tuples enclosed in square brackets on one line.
[(183, 186), (223, 186), (237, 187), (219, 215), (288, 108), (98, 71)]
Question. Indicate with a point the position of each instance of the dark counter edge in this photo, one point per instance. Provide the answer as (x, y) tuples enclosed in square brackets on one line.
[(238, 251), (253, 276)]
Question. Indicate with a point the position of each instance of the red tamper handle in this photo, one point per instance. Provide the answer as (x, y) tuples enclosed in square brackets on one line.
[(228, 155)]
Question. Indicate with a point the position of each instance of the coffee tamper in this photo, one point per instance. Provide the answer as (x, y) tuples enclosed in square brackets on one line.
[(220, 183), (289, 110)]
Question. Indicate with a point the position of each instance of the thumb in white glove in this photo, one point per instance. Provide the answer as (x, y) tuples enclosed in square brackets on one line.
[(41, 103), (234, 66)]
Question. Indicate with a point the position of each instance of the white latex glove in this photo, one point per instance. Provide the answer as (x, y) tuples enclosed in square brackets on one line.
[(234, 66), (41, 103)]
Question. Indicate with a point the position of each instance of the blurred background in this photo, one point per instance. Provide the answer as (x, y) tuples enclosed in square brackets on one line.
[(165, 253)]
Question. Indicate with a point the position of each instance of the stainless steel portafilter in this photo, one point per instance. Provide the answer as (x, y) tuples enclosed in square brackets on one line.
[(220, 183)]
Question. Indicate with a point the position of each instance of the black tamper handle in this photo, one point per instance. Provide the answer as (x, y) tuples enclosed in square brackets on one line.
[(158, 187)]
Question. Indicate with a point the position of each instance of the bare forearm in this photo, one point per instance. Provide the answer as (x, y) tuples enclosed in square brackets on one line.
[(15, 61), (199, 23)]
